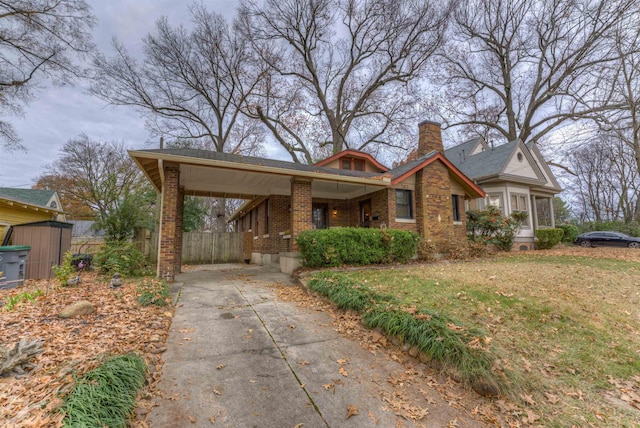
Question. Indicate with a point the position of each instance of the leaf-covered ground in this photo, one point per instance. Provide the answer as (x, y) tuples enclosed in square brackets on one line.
[(74, 346), (121, 325), (565, 323)]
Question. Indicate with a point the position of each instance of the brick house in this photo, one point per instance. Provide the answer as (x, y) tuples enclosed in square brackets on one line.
[(426, 195), (515, 177)]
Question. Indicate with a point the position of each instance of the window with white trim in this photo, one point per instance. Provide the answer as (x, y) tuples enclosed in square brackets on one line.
[(495, 200), (518, 202)]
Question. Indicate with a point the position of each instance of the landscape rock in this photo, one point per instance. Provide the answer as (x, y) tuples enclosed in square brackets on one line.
[(77, 309)]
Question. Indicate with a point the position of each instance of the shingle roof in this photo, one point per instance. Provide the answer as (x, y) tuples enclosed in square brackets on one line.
[(251, 160), (483, 164), (400, 170), (37, 197)]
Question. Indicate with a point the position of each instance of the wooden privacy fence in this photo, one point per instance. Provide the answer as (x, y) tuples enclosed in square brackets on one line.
[(199, 248)]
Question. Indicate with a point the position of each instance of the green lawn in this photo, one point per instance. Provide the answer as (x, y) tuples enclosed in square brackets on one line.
[(565, 328)]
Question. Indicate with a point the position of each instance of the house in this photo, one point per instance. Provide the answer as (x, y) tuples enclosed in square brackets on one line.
[(515, 177), (19, 206), (426, 195)]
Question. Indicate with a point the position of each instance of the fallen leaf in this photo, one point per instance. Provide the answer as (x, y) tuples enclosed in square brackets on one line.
[(343, 372), (352, 410), (192, 419), (528, 399), (341, 361), (216, 392), (220, 366), (551, 398)]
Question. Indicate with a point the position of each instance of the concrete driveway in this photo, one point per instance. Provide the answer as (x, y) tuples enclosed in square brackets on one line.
[(237, 356)]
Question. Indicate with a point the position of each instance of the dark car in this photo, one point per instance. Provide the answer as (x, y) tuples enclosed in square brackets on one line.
[(611, 239)]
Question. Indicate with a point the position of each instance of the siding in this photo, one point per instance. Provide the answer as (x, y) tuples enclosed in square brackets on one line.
[(11, 215)]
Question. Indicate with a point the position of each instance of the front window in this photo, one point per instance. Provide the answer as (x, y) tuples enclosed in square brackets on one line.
[(495, 200), (455, 202), (403, 204), (543, 212), (345, 163), (358, 164), (518, 202)]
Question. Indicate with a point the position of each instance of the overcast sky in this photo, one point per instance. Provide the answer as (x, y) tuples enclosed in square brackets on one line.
[(60, 114)]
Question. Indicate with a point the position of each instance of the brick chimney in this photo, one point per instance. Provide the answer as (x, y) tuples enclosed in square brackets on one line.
[(429, 138)]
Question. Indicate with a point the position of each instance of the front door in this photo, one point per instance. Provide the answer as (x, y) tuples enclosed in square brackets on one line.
[(319, 216), (365, 213)]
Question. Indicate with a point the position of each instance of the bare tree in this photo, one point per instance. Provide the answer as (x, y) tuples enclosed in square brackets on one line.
[(623, 76), (39, 39), (345, 73), (606, 183), (190, 85), (520, 69), (103, 177)]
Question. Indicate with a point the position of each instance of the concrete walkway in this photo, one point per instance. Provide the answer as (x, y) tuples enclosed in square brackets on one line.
[(237, 356)]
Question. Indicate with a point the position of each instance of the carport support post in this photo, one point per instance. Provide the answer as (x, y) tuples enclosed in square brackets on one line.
[(168, 260), (300, 209), (179, 221)]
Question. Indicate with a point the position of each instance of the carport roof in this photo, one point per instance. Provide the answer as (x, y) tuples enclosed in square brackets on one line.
[(209, 173)]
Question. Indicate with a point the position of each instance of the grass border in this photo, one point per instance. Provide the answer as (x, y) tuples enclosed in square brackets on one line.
[(441, 338)]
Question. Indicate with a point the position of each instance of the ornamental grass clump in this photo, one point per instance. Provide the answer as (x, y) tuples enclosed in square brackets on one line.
[(106, 395), (442, 339)]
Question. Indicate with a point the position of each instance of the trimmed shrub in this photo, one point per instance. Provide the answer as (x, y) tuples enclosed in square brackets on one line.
[(570, 232), (356, 246), (548, 238), (120, 257), (106, 395)]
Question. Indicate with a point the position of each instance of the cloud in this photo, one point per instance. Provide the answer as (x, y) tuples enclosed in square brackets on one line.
[(60, 114)]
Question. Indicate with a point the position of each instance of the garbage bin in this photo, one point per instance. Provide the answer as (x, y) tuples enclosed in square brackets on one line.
[(13, 259)]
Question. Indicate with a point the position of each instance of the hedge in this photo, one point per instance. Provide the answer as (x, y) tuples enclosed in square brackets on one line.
[(356, 246), (548, 238), (570, 232)]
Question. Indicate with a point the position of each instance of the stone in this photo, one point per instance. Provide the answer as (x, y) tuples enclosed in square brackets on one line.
[(414, 351), (486, 388), (77, 309)]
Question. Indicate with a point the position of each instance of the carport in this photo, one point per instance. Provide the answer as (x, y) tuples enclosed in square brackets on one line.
[(179, 172)]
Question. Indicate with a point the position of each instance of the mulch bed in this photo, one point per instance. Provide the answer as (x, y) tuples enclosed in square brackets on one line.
[(74, 346)]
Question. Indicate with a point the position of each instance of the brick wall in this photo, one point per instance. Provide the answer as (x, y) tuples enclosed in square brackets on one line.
[(434, 212), (179, 222), (300, 208), (167, 260), (429, 138)]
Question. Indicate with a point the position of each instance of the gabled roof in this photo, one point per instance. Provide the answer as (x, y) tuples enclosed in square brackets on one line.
[(492, 163), (355, 154), (33, 197), (403, 171), (552, 182), (247, 177)]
